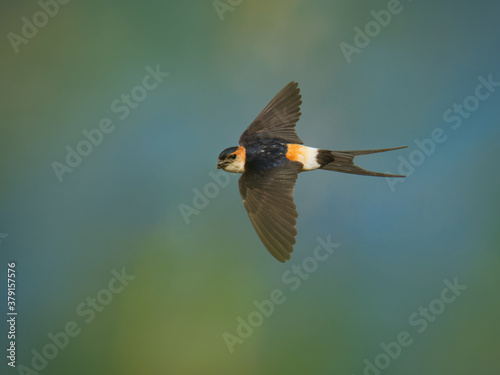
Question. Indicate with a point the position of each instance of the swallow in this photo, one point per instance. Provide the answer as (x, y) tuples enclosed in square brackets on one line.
[(270, 156)]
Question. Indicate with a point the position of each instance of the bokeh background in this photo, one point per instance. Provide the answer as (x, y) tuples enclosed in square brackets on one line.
[(120, 207)]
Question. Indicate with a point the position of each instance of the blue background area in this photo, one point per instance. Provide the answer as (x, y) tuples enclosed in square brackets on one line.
[(120, 207)]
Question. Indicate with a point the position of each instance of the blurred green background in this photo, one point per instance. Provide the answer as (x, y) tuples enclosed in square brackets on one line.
[(119, 208)]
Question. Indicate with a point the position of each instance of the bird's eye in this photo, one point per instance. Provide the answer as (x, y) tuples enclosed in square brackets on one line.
[(233, 156)]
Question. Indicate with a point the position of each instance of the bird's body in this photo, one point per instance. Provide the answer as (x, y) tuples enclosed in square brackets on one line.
[(265, 154), (270, 156)]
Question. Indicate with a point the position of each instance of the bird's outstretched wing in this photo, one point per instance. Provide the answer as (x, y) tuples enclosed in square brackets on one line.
[(278, 119), (267, 197)]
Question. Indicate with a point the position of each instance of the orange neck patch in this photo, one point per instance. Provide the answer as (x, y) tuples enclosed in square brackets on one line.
[(240, 152)]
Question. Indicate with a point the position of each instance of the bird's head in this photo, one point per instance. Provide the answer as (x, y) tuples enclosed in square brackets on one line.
[(232, 160)]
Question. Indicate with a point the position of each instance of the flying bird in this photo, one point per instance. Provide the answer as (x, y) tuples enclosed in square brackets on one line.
[(270, 156)]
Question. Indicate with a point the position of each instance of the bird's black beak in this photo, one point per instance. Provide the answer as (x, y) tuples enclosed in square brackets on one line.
[(219, 164)]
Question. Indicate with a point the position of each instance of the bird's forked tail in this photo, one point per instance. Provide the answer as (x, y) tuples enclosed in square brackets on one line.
[(343, 161)]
